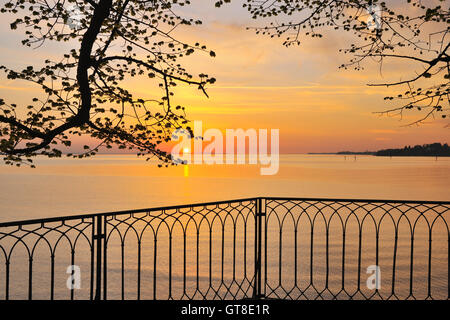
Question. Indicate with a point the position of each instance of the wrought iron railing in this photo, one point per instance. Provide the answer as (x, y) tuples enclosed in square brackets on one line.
[(280, 248)]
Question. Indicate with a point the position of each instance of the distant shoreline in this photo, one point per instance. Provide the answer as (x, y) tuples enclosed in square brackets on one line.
[(426, 150), (344, 153), (371, 154)]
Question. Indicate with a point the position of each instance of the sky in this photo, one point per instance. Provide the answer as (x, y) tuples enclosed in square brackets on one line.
[(263, 85)]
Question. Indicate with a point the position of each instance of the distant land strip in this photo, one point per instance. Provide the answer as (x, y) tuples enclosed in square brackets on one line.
[(426, 150)]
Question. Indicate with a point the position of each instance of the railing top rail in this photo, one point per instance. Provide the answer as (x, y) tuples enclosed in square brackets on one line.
[(358, 200), (46, 220), (92, 215), (105, 214)]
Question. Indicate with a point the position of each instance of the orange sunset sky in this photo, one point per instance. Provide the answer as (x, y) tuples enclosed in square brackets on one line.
[(261, 84)]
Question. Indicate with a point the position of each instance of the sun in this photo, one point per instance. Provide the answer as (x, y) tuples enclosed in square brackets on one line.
[(186, 150)]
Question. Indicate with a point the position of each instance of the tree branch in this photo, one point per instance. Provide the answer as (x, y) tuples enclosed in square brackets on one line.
[(149, 66)]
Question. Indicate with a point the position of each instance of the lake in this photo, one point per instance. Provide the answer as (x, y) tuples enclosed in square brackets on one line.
[(120, 182)]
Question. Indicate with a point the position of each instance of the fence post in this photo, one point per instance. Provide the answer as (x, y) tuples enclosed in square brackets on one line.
[(259, 214), (98, 236)]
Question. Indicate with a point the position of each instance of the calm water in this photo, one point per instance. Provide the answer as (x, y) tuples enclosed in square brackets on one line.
[(121, 182), (113, 182)]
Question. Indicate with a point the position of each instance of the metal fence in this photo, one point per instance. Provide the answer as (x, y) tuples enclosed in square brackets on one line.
[(280, 248)]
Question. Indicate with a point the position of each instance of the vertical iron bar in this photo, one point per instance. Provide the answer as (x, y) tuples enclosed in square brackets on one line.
[(7, 280), (255, 285), (139, 272), (210, 256), (377, 245), (343, 256), (394, 262), (91, 294), (105, 263), (98, 271), (280, 255), (234, 249), (429, 263), (359, 258), (52, 276), (223, 257), (311, 258), (184, 262), (295, 256), (198, 260), (411, 267), (170, 264), (245, 254), (265, 246), (30, 279), (327, 254), (122, 273), (154, 265), (72, 261), (259, 213)]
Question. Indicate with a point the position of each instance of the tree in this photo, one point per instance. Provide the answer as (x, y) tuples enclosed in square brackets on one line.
[(410, 31), (84, 92)]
